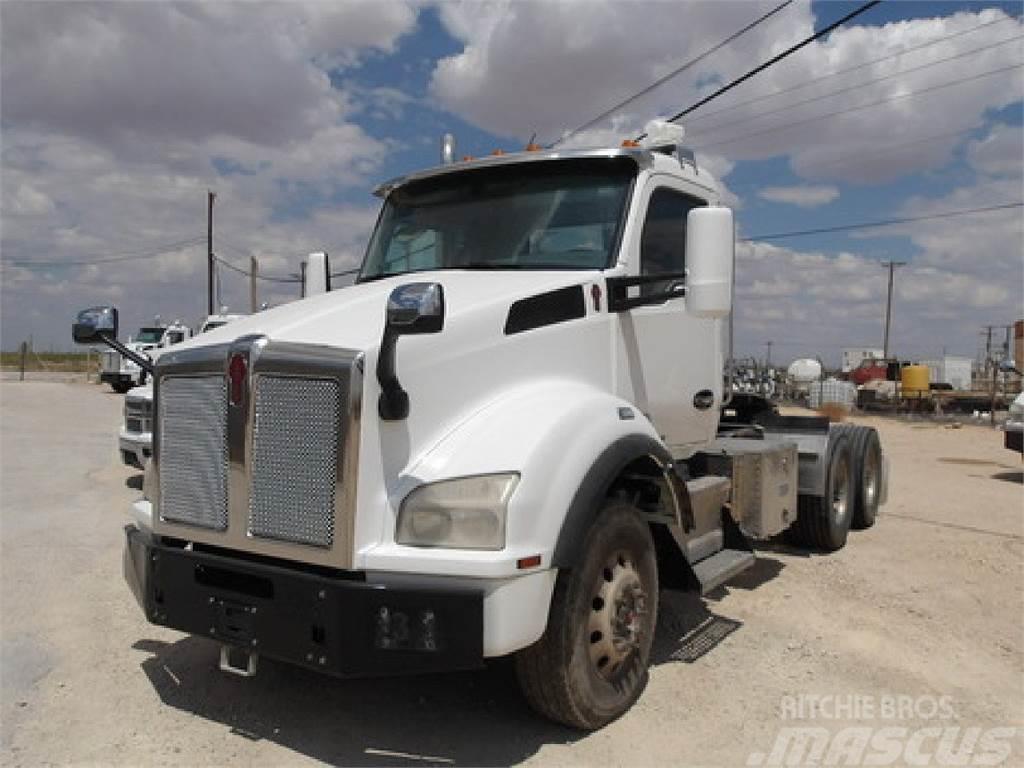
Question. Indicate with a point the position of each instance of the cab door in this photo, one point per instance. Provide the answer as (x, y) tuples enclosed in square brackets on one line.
[(672, 360)]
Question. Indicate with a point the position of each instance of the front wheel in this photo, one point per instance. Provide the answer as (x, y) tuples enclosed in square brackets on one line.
[(590, 665)]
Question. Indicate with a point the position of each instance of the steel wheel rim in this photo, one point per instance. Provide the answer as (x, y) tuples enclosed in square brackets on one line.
[(617, 609), (840, 490)]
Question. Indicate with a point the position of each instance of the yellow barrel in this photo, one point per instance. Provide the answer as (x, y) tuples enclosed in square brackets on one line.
[(914, 380)]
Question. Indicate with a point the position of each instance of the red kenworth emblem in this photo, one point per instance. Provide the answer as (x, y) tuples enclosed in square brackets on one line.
[(236, 378)]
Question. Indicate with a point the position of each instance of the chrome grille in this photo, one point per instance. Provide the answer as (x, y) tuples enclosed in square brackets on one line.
[(138, 408), (193, 451), (295, 459)]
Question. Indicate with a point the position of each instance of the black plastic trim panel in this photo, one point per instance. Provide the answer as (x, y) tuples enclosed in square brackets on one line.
[(557, 306)]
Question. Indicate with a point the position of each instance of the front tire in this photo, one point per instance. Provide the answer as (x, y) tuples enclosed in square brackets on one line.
[(590, 665)]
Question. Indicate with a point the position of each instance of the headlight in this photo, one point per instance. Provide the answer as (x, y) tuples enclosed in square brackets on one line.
[(468, 513)]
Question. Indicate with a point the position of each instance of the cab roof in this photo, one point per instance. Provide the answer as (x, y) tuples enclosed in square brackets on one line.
[(668, 158)]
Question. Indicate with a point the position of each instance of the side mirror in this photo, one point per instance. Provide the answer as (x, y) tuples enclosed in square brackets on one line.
[(710, 258), (413, 308), (416, 308), (95, 325)]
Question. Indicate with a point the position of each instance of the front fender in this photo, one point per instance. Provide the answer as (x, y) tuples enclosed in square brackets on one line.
[(567, 440)]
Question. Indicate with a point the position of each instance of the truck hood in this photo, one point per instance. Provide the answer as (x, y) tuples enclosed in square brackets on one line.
[(353, 317)]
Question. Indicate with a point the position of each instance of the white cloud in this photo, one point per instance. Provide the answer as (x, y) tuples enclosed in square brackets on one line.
[(115, 115), (805, 196), (548, 67), (1000, 153)]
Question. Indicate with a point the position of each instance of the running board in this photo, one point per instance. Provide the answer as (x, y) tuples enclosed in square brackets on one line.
[(720, 567)]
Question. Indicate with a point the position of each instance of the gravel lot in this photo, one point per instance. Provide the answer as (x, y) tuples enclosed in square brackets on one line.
[(926, 604)]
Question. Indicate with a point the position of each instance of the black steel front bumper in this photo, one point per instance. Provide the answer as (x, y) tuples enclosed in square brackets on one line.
[(337, 623)]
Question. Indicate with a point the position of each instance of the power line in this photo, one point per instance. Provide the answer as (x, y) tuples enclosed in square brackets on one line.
[(247, 273), (888, 100), (807, 83), (662, 80), (772, 61), (126, 256), (880, 223), (866, 83)]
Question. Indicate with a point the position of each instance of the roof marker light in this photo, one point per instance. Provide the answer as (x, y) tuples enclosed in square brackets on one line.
[(630, 143)]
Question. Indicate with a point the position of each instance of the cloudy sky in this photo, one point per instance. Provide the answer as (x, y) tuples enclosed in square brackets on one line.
[(117, 118)]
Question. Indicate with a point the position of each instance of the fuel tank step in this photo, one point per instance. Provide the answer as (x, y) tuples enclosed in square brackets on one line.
[(720, 567)]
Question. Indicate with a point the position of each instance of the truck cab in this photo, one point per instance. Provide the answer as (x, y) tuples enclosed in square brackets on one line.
[(122, 373), (492, 444)]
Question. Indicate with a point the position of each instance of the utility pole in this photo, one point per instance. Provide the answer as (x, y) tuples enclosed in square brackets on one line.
[(302, 280), (768, 357), (891, 265), (209, 251), (992, 369), (254, 270)]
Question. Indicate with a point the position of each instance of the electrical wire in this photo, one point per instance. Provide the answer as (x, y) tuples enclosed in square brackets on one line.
[(258, 276), (866, 83), (664, 79), (125, 256), (880, 223), (888, 100), (808, 83), (771, 62)]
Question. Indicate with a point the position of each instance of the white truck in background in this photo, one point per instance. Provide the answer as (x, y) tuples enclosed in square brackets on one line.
[(123, 373), (505, 439), (135, 440)]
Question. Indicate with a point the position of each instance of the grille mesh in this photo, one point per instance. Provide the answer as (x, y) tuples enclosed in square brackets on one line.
[(194, 451), (295, 459)]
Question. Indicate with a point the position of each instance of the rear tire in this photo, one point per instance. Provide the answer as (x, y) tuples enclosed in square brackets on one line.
[(866, 463), (823, 522), (590, 665)]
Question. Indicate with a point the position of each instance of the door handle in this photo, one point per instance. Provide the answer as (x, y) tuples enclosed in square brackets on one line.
[(704, 399)]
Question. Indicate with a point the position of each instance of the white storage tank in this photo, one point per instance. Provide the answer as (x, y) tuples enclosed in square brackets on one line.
[(804, 371)]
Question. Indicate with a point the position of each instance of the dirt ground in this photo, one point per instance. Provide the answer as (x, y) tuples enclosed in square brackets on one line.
[(927, 606)]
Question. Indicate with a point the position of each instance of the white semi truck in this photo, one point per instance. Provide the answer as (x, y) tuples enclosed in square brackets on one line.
[(121, 372), (504, 439), (135, 440)]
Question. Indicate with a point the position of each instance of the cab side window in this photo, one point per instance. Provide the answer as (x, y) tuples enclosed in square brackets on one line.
[(663, 238)]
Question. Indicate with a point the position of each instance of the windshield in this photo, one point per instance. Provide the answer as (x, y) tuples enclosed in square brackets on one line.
[(149, 335), (544, 215)]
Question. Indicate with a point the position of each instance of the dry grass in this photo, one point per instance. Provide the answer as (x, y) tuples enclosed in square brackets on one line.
[(836, 412)]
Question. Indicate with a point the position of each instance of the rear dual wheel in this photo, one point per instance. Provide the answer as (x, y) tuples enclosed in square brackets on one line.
[(590, 665), (823, 522), (866, 461)]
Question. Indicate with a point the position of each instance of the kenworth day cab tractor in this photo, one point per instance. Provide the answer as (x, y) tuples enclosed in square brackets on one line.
[(122, 372), (498, 441)]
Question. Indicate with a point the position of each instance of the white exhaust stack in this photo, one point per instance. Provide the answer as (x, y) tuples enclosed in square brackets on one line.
[(447, 149)]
